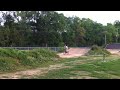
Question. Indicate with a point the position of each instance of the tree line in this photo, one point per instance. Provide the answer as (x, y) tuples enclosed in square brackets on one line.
[(49, 28)]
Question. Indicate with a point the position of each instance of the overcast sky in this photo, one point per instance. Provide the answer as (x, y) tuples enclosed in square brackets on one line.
[(102, 17)]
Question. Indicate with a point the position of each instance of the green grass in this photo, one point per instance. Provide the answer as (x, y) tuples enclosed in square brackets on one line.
[(7, 63), (12, 60), (90, 69), (96, 50), (61, 49)]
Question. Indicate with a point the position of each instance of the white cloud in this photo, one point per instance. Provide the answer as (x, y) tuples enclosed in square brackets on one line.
[(103, 17)]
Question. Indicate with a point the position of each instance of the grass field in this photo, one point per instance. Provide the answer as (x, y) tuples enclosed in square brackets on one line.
[(43, 64), (85, 68)]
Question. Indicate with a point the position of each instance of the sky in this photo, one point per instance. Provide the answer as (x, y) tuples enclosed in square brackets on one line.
[(102, 17)]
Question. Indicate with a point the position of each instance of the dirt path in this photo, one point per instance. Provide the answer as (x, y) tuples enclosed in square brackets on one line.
[(39, 71), (114, 51), (30, 73), (74, 52)]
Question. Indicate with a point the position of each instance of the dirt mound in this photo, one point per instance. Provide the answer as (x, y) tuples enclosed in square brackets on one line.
[(75, 52), (114, 51)]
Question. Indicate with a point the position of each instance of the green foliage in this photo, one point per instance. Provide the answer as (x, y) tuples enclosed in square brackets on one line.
[(86, 68), (61, 49), (42, 54), (49, 28), (8, 64), (10, 59), (96, 50), (14, 53)]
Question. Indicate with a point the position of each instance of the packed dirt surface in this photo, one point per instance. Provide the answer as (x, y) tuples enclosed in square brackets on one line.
[(29, 73), (77, 52), (114, 51), (74, 52)]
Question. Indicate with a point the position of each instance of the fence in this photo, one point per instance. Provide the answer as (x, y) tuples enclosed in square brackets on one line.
[(50, 48), (30, 48)]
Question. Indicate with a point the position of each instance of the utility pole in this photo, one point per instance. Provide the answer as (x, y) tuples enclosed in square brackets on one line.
[(105, 38), (117, 36)]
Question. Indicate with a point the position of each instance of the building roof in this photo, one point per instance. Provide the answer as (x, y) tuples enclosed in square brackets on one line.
[(113, 46)]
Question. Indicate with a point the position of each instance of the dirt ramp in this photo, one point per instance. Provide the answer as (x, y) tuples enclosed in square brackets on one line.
[(74, 52), (114, 51)]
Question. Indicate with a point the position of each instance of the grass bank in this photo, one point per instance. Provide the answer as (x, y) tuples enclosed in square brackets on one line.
[(14, 60)]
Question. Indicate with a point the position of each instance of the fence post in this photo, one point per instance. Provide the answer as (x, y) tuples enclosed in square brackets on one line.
[(55, 48)]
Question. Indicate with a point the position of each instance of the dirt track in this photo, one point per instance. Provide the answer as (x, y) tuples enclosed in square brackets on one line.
[(74, 52), (114, 51), (29, 73)]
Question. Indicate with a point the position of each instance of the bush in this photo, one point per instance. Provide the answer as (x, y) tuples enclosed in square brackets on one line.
[(40, 53), (8, 64), (95, 47), (96, 50), (61, 49), (7, 52)]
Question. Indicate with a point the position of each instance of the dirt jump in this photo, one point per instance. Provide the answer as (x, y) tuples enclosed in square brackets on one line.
[(114, 51), (74, 52)]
